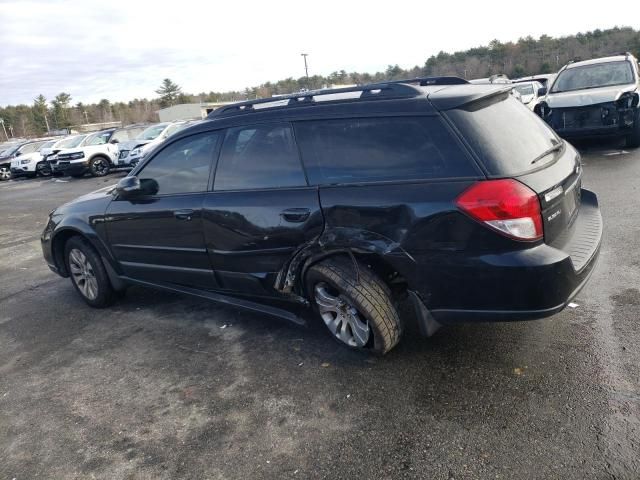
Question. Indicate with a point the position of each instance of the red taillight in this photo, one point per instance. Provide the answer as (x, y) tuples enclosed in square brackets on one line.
[(506, 205)]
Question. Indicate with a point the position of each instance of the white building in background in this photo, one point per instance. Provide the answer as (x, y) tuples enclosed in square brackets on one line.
[(188, 111)]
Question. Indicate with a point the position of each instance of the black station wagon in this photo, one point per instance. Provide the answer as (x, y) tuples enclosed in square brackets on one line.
[(451, 197)]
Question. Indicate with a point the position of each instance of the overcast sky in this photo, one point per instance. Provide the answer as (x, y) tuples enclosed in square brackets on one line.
[(121, 50)]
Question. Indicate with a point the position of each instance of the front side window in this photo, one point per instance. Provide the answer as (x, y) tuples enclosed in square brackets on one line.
[(593, 76), (182, 167), (380, 149), (257, 157)]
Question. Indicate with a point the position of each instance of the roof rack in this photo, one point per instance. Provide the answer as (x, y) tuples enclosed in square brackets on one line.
[(372, 91), (427, 81), (386, 90)]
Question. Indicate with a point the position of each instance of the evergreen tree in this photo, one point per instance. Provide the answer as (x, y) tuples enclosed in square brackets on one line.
[(40, 110), (169, 93)]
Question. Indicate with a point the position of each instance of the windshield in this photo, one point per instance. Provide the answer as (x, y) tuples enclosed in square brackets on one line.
[(99, 138), (71, 142), (526, 89), (152, 133), (593, 76), (47, 144), (10, 151)]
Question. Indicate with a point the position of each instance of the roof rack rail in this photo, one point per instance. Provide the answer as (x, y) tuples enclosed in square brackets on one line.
[(371, 91), (426, 81)]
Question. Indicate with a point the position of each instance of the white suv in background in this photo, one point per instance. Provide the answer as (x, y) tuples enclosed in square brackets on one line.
[(27, 157), (48, 152), (97, 154)]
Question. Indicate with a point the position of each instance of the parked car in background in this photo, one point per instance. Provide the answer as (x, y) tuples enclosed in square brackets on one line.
[(48, 152), (7, 152), (151, 136), (96, 154), (545, 79), (595, 97), (452, 197), (529, 93), (26, 157), (498, 78)]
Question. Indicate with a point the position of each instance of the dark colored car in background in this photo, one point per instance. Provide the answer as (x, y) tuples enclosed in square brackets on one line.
[(452, 197)]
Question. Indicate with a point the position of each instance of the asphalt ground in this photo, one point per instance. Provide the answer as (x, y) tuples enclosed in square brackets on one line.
[(163, 386)]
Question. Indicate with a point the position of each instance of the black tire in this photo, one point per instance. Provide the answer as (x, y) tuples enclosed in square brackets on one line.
[(44, 171), (633, 139), (104, 293), (370, 296), (99, 166)]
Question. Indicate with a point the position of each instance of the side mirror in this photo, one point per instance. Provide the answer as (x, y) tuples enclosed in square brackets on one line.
[(18, 154), (542, 91), (129, 187), (115, 140)]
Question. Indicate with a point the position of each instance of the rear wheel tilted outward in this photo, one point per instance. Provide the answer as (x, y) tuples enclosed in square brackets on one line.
[(87, 273), (356, 306)]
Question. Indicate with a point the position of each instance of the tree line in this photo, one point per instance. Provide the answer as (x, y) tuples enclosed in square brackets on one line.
[(527, 56)]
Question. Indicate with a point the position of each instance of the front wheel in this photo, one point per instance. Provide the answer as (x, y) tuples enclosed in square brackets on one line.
[(44, 170), (356, 306), (99, 167), (87, 273), (5, 174)]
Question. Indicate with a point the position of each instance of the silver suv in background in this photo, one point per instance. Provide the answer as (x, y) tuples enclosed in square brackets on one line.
[(133, 150), (595, 97)]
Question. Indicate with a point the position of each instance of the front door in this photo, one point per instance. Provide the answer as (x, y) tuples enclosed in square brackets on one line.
[(261, 209), (157, 236)]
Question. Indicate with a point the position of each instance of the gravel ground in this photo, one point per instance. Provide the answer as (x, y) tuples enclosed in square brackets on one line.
[(164, 386)]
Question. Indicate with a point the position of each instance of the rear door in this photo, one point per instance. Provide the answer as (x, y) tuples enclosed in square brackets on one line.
[(158, 237), (511, 141), (261, 209)]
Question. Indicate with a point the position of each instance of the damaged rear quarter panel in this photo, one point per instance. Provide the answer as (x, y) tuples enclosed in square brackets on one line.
[(396, 222)]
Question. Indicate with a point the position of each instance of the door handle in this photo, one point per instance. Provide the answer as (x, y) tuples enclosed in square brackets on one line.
[(185, 214), (296, 215)]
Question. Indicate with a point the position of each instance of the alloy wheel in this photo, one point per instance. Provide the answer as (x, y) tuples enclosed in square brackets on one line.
[(342, 318), (82, 274), (100, 166)]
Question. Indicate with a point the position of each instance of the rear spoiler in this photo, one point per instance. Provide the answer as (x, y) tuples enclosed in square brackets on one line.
[(468, 96)]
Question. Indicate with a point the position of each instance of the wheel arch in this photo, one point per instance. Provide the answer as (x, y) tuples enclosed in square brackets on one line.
[(102, 155), (62, 235), (382, 255)]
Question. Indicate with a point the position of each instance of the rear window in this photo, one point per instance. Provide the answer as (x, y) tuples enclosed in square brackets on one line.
[(505, 134), (380, 149)]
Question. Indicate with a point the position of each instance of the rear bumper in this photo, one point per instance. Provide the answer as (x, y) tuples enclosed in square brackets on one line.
[(520, 285)]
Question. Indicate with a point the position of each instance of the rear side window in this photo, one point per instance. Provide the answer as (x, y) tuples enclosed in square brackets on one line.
[(257, 157), (380, 149), (505, 134)]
